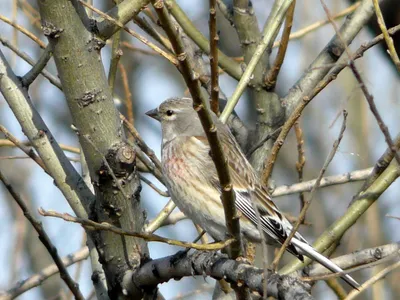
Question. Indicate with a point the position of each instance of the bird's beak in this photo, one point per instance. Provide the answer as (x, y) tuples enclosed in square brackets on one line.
[(154, 114)]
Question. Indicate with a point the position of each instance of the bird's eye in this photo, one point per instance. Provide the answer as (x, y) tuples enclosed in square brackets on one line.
[(169, 112)]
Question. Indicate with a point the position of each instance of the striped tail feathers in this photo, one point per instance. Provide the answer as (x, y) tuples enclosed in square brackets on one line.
[(310, 252)]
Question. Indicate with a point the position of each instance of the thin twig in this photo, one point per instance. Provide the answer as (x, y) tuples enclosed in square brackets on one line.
[(128, 94), (139, 50), (44, 238), (53, 80), (393, 217), (263, 141), (7, 143), (38, 278), (307, 204), (272, 74), (381, 165), (170, 57), (373, 280), (91, 225), (152, 31), (159, 220), (307, 186), (150, 167), (301, 159), (304, 31), (336, 230), (268, 34), (150, 184), (368, 96), (306, 100), (213, 56), (229, 65), (141, 143), (388, 39), (28, 151), (24, 31), (38, 68)]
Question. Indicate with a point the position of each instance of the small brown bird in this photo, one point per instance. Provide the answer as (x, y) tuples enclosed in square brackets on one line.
[(192, 180)]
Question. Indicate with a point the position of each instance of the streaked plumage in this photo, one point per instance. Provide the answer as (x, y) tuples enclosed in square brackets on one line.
[(192, 180)]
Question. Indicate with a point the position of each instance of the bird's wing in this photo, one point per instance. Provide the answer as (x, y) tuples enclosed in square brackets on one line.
[(250, 193)]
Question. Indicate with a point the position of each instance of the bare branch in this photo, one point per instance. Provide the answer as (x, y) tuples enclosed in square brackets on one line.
[(307, 186), (53, 80), (353, 213), (122, 13), (170, 57), (373, 280), (37, 279), (104, 226), (360, 258), (159, 220), (38, 68), (268, 33), (230, 66), (310, 28), (24, 31), (307, 204), (44, 238), (272, 75), (388, 39), (300, 93), (367, 94), (214, 57), (25, 149), (219, 266)]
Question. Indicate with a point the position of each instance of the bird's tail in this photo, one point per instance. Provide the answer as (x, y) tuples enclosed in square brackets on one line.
[(309, 251)]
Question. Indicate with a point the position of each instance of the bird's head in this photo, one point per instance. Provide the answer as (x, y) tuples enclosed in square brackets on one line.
[(177, 118)]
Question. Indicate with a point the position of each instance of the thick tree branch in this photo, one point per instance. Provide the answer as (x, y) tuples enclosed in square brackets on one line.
[(123, 13), (78, 61), (219, 266), (67, 179)]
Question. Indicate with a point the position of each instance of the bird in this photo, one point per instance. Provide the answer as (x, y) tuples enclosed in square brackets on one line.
[(192, 180)]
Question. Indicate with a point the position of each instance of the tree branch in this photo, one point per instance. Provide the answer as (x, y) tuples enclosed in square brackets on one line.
[(219, 266), (353, 213), (91, 105), (123, 13), (331, 53), (269, 32), (307, 186), (44, 238), (91, 225), (37, 279), (226, 63)]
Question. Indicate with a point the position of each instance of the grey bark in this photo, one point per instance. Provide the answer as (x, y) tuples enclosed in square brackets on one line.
[(110, 159)]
